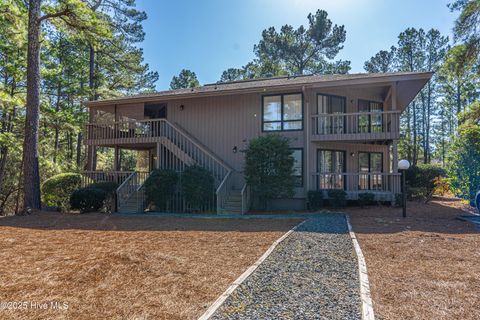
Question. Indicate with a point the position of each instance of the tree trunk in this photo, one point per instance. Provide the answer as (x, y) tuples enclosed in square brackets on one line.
[(57, 109), (79, 150), (91, 85), (31, 176), (427, 125)]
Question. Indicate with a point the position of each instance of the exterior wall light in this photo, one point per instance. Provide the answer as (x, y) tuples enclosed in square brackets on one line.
[(182, 107), (235, 149)]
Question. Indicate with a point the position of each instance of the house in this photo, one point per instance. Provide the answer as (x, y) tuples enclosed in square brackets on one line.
[(344, 132)]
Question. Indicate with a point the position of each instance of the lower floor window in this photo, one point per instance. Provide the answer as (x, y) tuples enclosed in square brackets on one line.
[(298, 167)]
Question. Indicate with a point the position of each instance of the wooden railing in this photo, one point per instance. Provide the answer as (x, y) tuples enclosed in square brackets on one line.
[(130, 186), (118, 177), (178, 148), (359, 182), (222, 191), (246, 198), (359, 125)]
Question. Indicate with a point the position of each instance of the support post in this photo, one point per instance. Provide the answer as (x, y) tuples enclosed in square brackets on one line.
[(158, 160), (116, 165), (395, 156), (94, 158)]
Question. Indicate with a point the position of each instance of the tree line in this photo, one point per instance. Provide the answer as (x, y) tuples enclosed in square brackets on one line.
[(55, 55)]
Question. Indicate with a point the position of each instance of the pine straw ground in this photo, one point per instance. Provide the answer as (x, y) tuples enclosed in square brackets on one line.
[(426, 266), (124, 267)]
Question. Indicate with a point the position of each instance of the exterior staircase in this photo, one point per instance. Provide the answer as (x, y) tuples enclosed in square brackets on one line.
[(134, 204), (233, 202)]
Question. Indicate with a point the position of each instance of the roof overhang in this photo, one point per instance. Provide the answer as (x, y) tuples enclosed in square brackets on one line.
[(408, 86)]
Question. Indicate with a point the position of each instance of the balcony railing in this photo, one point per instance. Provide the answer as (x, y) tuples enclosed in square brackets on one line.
[(357, 182), (356, 126)]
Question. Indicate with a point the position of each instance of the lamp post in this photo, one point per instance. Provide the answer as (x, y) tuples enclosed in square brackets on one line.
[(403, 166)]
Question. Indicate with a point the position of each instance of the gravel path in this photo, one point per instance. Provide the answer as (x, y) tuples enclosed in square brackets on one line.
[(310, 275)]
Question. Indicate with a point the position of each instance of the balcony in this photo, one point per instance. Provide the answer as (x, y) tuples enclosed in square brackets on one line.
[(375, 125), (383, 185)]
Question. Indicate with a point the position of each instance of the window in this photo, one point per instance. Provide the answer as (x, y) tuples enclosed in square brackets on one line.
[(373, 121), (331, 166), (330, 105), (298, 167), (283, 112), (370, 166)]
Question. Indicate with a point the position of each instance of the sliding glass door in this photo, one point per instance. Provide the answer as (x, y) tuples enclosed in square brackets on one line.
[(370, 166), (331, 166), (331, 110), (372, 120)]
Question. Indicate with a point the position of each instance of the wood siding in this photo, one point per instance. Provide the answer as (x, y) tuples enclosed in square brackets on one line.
[(221, 123)]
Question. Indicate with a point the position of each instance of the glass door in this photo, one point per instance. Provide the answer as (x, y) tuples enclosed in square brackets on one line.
[(331, 166), (370, 166), (331, 110), (372, 120)]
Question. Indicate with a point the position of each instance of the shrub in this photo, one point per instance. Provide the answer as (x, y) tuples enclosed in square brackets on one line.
[(315, 199), (366, 198), (110, 189), (442, 186), (464, 157), (197, 185), (87, 199), (269, 168), (57, 190), (160, 187), (337, 198), (421, 180)]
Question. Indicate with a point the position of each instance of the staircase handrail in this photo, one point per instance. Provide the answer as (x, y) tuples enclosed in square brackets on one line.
[(245, 198), (195, 141)]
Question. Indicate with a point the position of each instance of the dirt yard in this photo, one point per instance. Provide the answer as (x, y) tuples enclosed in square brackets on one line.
[(426, 266), (118, 267)]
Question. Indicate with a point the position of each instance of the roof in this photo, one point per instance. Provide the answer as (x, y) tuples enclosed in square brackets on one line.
[(268, 83)]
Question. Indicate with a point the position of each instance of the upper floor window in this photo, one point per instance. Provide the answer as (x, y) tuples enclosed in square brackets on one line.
[(282, 112)]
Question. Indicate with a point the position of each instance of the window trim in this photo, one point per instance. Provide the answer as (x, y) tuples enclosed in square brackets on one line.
[(282, 112), (301, 185)]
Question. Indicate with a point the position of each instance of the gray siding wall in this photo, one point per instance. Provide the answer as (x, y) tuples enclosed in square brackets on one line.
[(223, 122)]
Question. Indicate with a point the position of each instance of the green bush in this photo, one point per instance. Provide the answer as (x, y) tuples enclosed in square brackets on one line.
[(160, 187), (366, 198), (110, 189), (269, 168), (464, 156), (57, 190), (421, 180), (87, 199), (197, 186), (337, 198), (315, 199)]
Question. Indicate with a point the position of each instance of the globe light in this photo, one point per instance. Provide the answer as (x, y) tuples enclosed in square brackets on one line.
[(403, 164)]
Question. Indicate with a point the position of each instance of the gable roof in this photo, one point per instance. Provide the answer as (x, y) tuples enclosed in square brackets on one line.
[(284, 82)]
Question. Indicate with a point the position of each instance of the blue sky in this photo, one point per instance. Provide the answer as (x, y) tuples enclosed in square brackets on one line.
[(209, 36)]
